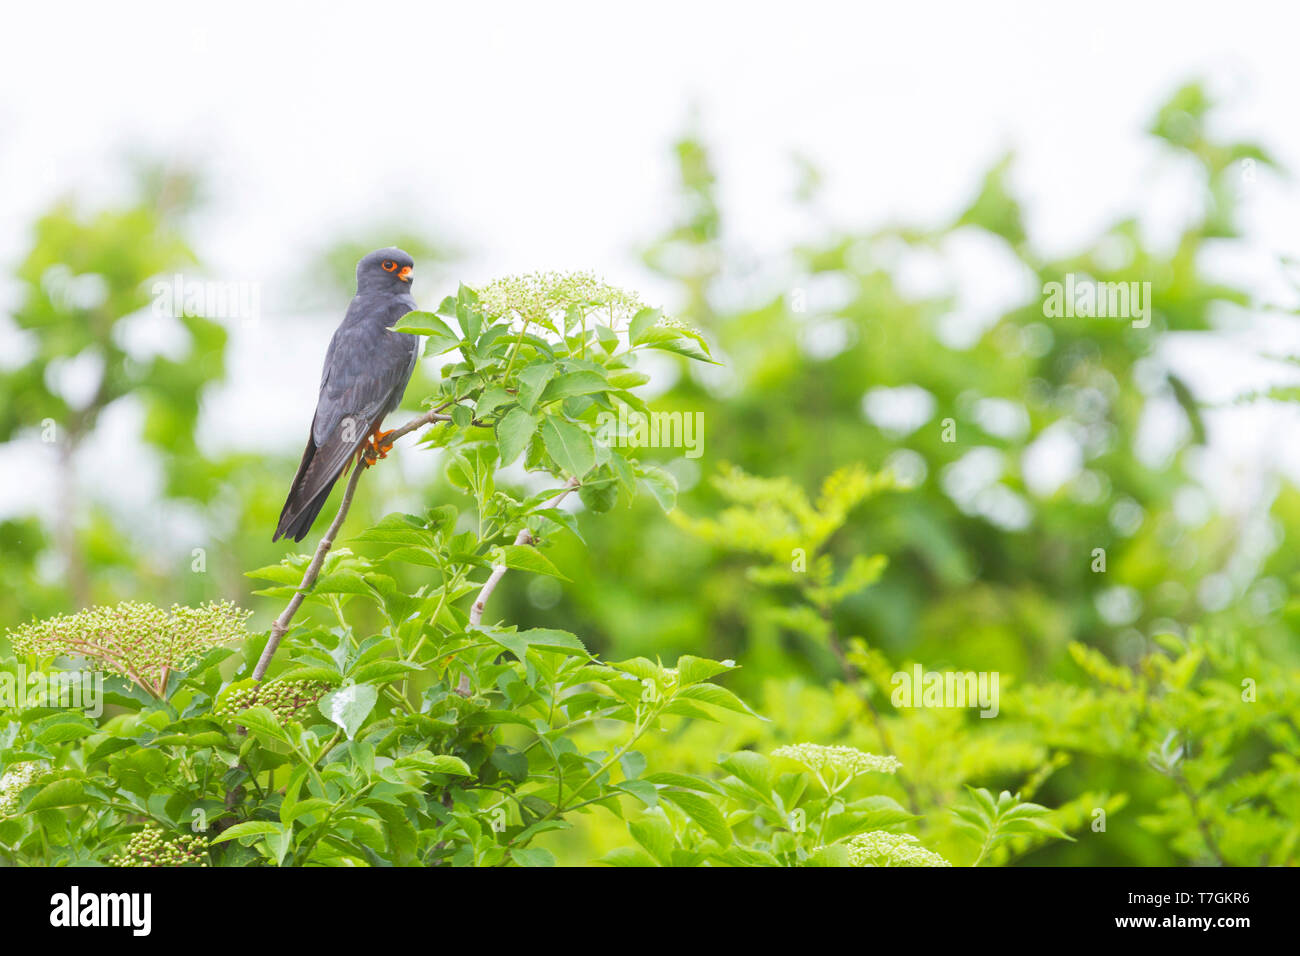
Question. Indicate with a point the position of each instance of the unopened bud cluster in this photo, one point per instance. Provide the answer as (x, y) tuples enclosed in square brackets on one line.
[(140, 642), (287, 699), (150, 847)]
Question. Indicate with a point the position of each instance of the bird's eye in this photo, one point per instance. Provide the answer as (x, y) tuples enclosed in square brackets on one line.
[(389, 265)]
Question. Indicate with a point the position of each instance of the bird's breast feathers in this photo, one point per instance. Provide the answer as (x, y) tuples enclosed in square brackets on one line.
[(367, 365)]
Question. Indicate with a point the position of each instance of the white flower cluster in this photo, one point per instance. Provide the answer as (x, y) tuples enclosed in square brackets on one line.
[(845, 760), (15, 780), (881, 848), (543, 298)]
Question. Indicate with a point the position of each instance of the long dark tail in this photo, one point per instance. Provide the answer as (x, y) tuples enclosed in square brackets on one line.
[(296, 525), (305, 500)]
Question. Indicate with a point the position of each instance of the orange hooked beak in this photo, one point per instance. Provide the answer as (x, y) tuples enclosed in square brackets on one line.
[(405, 274)]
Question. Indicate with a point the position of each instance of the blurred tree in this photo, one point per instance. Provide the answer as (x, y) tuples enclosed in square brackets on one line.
[(85, 277)]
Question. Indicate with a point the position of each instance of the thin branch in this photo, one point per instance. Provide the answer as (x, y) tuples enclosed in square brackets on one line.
[(850, 678), (428, 418), (281, 625), (498, 572), (1202, 823), (309, 577)]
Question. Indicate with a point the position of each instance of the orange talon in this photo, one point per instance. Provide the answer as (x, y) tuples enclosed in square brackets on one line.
[(375, 447)]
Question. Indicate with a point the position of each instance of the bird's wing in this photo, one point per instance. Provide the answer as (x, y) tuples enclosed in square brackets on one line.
[(366, 371)]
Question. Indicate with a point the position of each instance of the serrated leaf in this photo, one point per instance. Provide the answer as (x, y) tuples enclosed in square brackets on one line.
[(348, 707), (641, 323), (514, 431), (751, 768), (248, 828), (702, 811), (581, 382), (532, 856), (692, 670), (434, 763), (531, 382), (60, 793), (441, 337), (628, 856), (656, 838), (262, 722), (523, 557), (377, 672), (543, 638), (717, 696), (569, 446), (63, 732)]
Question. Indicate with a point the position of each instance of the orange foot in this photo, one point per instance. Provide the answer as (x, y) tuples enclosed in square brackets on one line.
[(376, 447)]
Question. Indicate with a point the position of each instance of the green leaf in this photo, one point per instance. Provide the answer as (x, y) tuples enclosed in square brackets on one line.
[(514, 431), (303, 807), (717, 696), (656, 837), (751, 768), (279, 573), (702, 811), (662, 485), (433, 763), (582, 382), (676, 340), (348, 707), (532, 380), (524, 557), (607, 337), (262, 722), (601, 494), (441, 337), (493, 397), (532, 857), (340, 582), (642, 322), (62, 732), (692, 670), (248, 828), (60, 793), (543, 638), (397, 528), (550, 639), (569, 446), (377, 672), (626, 378), (628, 856)]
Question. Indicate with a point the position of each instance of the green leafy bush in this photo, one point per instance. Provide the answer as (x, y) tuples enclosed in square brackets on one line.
[(393, 727)]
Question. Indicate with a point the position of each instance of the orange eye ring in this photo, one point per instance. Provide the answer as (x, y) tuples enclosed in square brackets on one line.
[(390, 265)]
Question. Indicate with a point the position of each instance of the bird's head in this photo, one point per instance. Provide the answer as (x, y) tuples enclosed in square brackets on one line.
[(385, 270)]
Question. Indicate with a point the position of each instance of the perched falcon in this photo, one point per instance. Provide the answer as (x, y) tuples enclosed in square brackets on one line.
[(366, 370)]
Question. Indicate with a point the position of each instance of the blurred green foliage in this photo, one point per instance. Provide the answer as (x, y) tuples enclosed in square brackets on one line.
[(886, 436)]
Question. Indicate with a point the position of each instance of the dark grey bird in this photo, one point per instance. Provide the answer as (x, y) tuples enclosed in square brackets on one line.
[(366, 370)]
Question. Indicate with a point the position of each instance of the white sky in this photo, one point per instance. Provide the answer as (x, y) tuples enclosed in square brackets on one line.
[(537, 136)]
